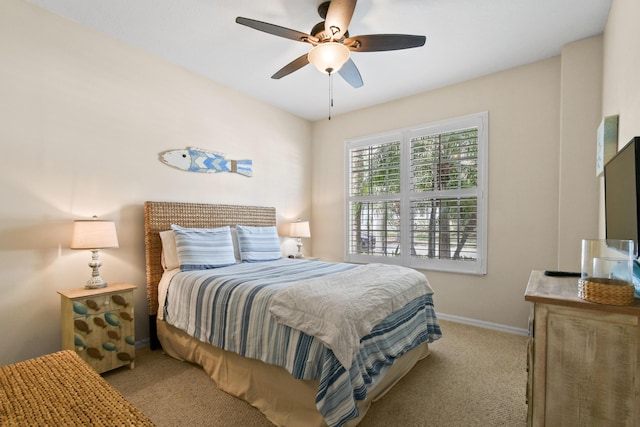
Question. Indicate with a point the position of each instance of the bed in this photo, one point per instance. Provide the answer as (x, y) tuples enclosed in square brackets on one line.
[(293, 373)]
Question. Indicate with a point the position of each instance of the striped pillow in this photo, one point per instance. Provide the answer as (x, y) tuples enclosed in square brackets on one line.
[(258, 243), (202, 248)]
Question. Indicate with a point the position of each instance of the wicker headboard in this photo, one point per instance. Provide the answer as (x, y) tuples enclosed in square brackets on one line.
[(158, 216)]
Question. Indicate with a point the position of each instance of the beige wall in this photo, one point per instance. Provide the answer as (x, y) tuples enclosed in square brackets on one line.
[(580, 116), (83, 118), (526, 116), (621, 81)]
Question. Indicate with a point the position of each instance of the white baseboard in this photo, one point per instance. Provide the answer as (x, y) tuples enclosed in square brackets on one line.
[(482, 324)]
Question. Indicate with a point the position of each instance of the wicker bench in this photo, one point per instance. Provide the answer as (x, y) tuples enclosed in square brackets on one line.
[(60, 389)]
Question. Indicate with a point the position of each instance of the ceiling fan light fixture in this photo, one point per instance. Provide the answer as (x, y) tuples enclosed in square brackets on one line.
[(328, 57)]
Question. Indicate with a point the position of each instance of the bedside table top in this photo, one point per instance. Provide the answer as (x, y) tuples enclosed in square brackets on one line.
[(84, 292)]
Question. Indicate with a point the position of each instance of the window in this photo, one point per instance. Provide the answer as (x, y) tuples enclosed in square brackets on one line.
[(417, 196)]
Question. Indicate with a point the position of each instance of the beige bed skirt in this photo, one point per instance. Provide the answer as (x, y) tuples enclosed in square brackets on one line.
[(284, 400)]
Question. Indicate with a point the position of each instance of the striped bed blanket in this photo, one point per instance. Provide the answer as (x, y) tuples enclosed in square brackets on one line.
[(229, 307)]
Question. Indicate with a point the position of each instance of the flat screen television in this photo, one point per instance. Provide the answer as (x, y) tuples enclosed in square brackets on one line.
[(622, 194)]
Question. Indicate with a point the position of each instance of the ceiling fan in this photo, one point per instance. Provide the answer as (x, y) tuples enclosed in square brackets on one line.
[(332, 43)]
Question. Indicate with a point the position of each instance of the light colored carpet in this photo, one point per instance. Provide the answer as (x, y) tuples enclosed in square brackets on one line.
[(473, 377)]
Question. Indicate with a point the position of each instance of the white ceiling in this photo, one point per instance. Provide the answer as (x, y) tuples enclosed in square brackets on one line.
[(465, 39)]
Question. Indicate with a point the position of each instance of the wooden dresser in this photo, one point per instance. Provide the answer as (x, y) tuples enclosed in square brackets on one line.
[(584, 358)]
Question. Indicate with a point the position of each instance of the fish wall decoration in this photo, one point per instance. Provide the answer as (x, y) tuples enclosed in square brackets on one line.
[(201, 160)]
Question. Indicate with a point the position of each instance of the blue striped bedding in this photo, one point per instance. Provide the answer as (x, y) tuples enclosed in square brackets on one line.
[(228, 307)]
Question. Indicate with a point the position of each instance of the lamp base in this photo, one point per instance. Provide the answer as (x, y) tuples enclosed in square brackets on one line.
[(95, 283), (299, 254)]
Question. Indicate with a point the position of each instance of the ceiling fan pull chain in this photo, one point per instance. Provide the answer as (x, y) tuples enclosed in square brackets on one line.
[(330, 93)]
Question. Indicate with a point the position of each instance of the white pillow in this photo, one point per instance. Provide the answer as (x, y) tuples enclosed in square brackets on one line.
[(169, 252), (203, 248)]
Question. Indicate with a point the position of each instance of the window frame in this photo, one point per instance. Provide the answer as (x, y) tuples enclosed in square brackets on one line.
[(406, 195)]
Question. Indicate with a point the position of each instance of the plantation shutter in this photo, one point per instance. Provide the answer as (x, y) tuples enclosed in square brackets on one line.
[(374, 197), (417, 197), (444, 200)]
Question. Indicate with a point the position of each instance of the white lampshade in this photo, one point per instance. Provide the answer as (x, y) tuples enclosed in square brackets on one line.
[(328, 57), (300, 229), (94, 234)]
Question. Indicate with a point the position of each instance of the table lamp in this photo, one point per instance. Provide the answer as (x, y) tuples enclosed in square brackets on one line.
[(299, 229), (94, 235)]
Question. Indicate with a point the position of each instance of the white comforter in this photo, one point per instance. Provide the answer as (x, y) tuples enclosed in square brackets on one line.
[(340, 309)]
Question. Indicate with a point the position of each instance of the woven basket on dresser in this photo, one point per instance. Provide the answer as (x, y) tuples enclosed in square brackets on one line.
[(606, 291)]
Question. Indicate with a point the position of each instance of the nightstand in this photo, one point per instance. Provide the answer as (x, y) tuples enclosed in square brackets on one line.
[(99, 325)]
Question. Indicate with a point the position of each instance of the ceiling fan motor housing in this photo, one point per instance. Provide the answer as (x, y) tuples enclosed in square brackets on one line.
[(319, 32), (331, 41)]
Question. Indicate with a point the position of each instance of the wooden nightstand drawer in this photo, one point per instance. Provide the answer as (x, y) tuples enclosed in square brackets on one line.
[(99, 325), (102, 303)]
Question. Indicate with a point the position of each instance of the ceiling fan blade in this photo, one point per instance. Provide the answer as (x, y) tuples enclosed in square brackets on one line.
[(350, 73), (338, 17), (380, 42), (292, 66), (276, 30)]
